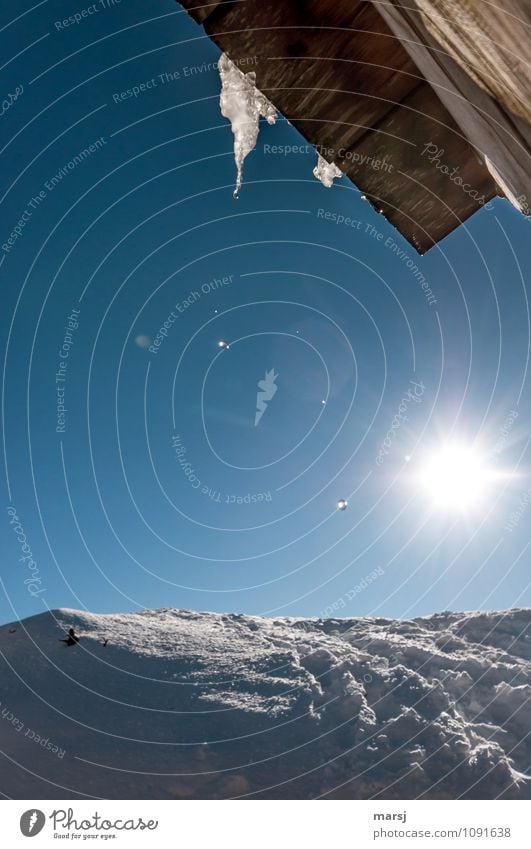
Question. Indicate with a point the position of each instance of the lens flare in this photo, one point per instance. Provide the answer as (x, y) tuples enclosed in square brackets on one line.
[(456, 477)]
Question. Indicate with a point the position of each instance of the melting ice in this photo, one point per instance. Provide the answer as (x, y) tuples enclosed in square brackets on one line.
[(326, 172)]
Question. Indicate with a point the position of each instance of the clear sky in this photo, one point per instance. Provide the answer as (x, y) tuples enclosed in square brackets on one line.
[(133, 473)]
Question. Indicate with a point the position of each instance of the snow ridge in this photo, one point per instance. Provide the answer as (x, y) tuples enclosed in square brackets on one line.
[(180, 704)]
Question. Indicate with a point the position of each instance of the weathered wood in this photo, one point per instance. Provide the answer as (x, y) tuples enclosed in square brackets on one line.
[(492, 128), (307, 66), (201, 11), (336, 70), (419, 178)]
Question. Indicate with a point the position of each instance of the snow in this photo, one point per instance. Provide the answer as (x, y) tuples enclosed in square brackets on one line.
[(181, 704), (243, 104), (326, 172)]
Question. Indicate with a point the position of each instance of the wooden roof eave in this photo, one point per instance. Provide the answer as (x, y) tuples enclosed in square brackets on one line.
[(380, 106)]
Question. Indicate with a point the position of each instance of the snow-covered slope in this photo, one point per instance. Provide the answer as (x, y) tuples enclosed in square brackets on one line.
[(201, 705)]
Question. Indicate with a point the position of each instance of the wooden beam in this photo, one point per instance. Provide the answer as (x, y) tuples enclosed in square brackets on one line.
[(339, 74)]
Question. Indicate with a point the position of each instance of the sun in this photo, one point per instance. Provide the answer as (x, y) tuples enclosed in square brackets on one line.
[(456, 477)]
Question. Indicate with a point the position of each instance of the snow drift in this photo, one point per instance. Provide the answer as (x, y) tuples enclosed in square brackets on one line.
[(200, 705)]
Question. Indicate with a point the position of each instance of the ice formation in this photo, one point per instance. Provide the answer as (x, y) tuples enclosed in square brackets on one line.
[(326, 172), (243, 104), (186, 705)]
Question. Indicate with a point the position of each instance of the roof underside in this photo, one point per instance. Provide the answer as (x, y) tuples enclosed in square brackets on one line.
[(336, 71)]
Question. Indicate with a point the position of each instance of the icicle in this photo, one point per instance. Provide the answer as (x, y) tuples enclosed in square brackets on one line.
[(326, 172), (242, 104)]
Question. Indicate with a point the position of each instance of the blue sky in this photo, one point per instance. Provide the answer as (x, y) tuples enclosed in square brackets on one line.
[(158, 490)]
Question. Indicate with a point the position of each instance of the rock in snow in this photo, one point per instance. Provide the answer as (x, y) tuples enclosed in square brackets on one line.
[(191, 705)]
